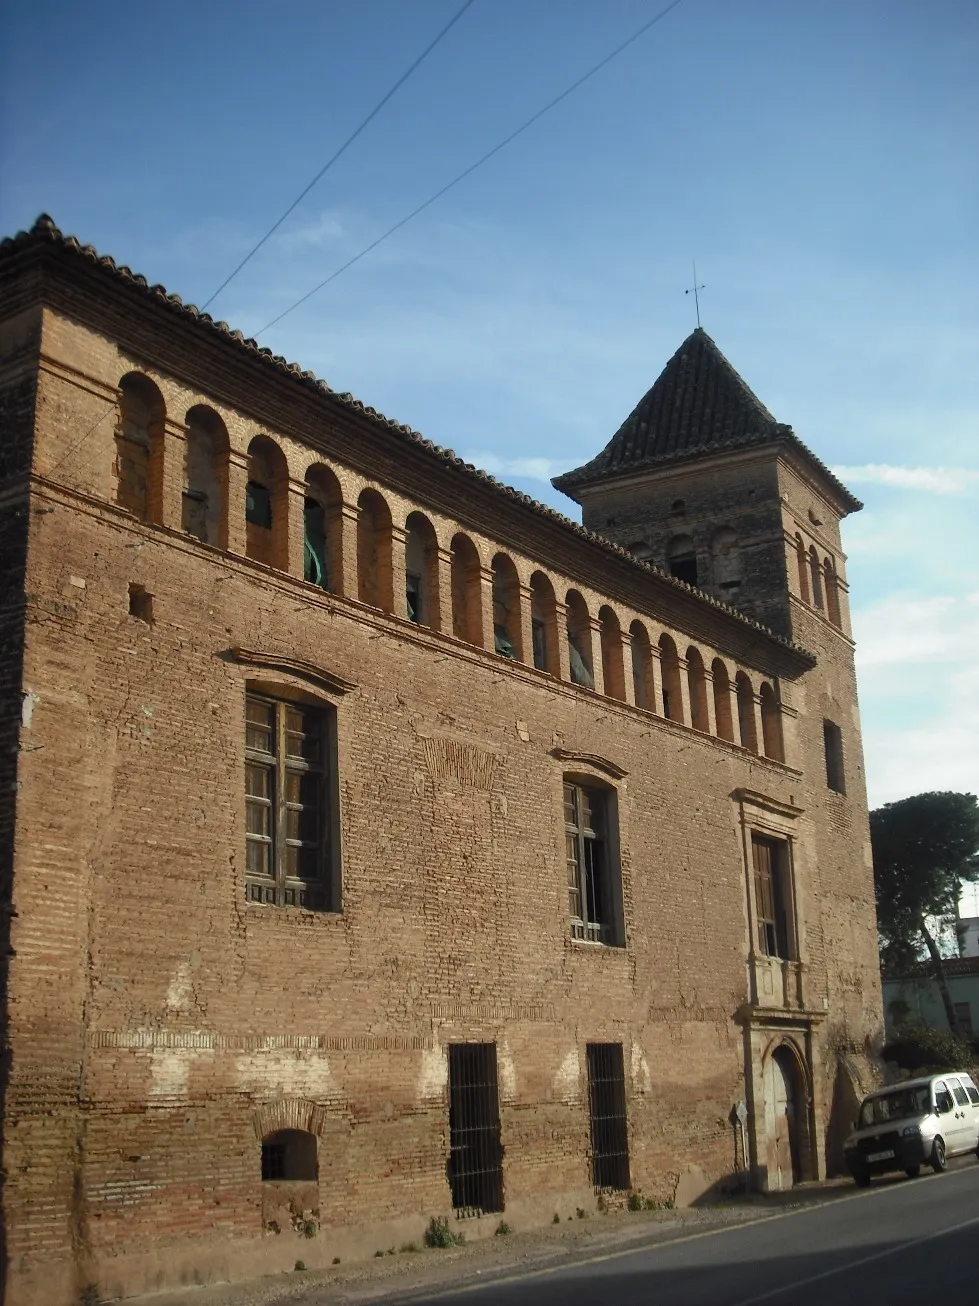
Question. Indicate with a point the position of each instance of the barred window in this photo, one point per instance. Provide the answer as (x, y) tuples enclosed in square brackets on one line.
[(593, 873), (289, 848)]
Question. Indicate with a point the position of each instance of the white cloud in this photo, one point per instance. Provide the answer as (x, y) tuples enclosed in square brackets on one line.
[(903, 630), (936, 480), (323, 229)]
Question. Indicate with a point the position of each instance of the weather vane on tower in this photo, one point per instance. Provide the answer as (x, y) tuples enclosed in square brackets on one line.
[(694, 290)]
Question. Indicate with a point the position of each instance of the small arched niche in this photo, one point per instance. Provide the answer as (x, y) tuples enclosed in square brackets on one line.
[(802, 561), (642, 666), (322, 528), (722, 700), (815, 581), (579, 641), (374, 570), (139, 435), (832, 592), (267, 504), (747, 733), (421, 572), (681, 558), (697, 691), (771, 723), (544, 624), (613, 673), (506, 608), (467, 610), (669, 661), (289, 1156), (203, 501)]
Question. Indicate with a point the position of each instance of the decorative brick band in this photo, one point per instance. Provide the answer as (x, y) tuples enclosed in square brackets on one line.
[(487, 1011), (150, 1039)]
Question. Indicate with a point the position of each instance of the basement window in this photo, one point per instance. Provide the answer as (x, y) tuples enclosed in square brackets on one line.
[(607, 1117), (289, 1155), (475, 1147)]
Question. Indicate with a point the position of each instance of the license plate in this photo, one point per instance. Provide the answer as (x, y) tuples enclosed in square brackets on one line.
[(880, 1156)]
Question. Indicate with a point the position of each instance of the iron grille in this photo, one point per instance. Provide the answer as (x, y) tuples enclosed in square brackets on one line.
[(475, 1166), (606, 1103)]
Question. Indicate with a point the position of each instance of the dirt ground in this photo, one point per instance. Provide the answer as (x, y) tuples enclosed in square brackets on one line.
[(408, 1274)]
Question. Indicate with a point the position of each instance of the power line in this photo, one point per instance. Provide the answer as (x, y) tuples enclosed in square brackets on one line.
[(478, 164), (349, 141)]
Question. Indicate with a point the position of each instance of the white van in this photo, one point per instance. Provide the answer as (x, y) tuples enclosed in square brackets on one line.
[(922, 1121)]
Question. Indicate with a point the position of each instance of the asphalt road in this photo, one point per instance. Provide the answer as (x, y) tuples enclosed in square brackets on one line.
[(900, 1242)]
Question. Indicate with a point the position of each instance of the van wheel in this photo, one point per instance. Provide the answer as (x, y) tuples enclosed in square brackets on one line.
[(912, 1171), (861, 1178), (938, 1159)]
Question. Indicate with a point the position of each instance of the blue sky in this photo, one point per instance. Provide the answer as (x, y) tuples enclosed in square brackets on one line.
[(818, 160)]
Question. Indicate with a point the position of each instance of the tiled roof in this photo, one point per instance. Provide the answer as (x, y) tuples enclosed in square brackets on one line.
[(951, 966), (45, 233), (698, 405)]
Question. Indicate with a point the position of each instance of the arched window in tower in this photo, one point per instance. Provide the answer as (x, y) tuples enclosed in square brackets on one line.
[(670, 671), (803, 562), (506, 607), (681, 558), (139, 446), (421, 571), (375, 574), (771, 723), (544, 624), (613, 674), (747, 734), (642, 666), (697, 691), (814, 579), (725, 559), (205, 459), (579, 641), (722, 700), (832, 592)]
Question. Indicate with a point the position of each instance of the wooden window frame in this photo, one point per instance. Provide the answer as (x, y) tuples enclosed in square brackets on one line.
[(771, 865), (592, 855), (278, 887)]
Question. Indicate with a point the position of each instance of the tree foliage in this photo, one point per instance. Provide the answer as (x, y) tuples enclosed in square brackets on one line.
[(925, 848)]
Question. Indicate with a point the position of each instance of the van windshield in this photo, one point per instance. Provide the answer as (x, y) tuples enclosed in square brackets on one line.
[(898, 1105)]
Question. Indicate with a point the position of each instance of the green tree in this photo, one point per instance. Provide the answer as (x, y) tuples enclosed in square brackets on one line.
[(925, 848)]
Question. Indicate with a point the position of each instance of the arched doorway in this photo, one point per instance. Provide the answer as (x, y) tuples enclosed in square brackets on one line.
[(786, 1123)]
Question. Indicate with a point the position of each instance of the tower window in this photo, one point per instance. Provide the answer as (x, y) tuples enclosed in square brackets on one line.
[(681, 559), (833, 745)]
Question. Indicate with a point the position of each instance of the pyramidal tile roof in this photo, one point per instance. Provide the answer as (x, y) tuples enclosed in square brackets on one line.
[(698, 405)]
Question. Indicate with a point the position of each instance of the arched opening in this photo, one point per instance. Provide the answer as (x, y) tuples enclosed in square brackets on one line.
[(467, 612), (787, 1149), (722, 700), (641, 550), (832, 592), (374, 570), (544, 624), (814, 579), (747, 733), (678, 508), (203, 506), (771, 723), (681, 558), (506, 608), (138, 468), (725, 562), (669, 661), (803, 564), (289, 1155), (322, 528), (642, 666), (579, 641), (697, 690), (613, 675), (267, 504), (421, 572)]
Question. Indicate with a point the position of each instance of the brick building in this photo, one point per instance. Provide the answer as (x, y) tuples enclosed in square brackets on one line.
[(378, 843)]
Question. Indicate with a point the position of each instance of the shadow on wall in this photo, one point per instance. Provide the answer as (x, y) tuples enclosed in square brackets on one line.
[(843, 1112)]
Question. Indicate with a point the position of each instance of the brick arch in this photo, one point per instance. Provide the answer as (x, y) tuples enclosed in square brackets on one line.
[(289, 1113)]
